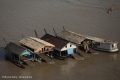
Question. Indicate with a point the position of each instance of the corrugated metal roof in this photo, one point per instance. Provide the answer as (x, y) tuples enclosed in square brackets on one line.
[(96, 39), (14, 48), (78, 38), (35, 43), (58, 42), (32, 43), (42, 41), (71, 36)]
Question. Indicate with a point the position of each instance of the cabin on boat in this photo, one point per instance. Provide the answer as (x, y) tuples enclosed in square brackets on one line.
[(81, 41), (38, 46), (103, 45), (63, 48), (17, 53)]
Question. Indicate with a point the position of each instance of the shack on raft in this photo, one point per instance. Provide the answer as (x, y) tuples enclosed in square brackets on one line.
[(63, 48), (18, 54), (42, 49), (79, 40)]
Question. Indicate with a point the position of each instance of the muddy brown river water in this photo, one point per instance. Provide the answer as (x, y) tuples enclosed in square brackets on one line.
[(19, 18)]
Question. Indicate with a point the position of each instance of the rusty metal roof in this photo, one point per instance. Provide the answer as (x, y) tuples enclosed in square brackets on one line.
[(78, 38), (71, 36), (57, 41), (14, 48)]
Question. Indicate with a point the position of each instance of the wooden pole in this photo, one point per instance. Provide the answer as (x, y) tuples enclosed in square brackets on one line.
[(36, 34), (4, 40), (54, 32), (22, 36), (45, 31), (19, 59), (60, 54), (33, 55), (64, 28)]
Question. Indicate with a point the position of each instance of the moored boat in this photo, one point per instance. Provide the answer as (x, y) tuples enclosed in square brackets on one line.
[(103, 45)]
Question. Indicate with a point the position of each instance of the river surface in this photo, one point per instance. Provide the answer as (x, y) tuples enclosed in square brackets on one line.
[(19, 18)]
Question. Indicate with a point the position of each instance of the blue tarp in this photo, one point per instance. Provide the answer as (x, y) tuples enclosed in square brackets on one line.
[(27, 54), (70, 50)]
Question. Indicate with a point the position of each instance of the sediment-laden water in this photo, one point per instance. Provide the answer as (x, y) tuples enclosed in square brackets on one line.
[(19, 18)]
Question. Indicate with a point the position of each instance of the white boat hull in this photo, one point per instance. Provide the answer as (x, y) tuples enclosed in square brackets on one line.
[(108, 47), (106, 50)]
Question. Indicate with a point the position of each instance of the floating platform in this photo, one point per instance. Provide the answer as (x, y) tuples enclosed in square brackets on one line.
[(77, 56), (46, 58), (96, 43)]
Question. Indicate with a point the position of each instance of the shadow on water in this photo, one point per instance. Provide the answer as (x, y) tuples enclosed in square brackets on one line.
[(66, 68)]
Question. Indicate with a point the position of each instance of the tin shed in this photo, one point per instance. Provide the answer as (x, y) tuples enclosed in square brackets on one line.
[(41, 48), (17, 53), (63, 47)]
